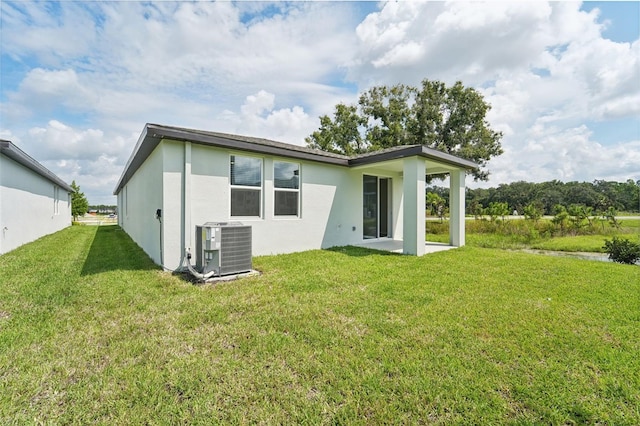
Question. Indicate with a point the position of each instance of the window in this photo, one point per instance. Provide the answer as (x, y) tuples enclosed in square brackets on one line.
[(246, 186), (286, 182)]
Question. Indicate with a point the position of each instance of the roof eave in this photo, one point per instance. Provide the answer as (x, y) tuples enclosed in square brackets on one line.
[(10, 150), (240, 145), (450, 159), (138, 156), (413, 150), (152, 134)]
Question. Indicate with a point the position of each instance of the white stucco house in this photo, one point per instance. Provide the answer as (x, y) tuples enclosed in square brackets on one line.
[(294, 198), (34, 202)]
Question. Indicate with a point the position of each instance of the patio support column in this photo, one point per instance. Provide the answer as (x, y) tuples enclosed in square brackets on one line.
[(413, 186), (456, 208)]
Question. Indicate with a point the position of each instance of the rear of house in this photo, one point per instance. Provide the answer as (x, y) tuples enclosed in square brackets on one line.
[(33, 201), (294, 198)]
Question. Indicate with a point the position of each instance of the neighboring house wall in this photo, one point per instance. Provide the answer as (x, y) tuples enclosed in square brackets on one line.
[(31, 206)]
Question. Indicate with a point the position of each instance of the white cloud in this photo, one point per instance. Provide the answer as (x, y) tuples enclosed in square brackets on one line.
[(544, 67), (258, 104), (95, 160), (50, 32), (86, 76), (206, 50), (90, 157), (620, 107), (53, 88), (96, 177), (548, 152), (58, 140), (185, 62), (7, 135), (259, 116), (449, 41)]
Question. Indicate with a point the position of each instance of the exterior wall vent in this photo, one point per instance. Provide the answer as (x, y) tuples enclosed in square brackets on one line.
[(223, 248)]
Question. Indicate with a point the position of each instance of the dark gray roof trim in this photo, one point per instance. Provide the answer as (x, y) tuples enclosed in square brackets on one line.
[(16, 154), (152, 134), (404, 151), (247, 143)]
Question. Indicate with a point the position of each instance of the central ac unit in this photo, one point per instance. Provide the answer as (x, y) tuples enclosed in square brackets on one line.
[(223, 248)]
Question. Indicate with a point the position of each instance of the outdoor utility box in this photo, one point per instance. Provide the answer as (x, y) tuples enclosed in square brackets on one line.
[(223, 247)]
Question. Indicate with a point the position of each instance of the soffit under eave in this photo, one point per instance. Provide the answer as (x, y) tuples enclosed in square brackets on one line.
[(437, 168), (431, 167)]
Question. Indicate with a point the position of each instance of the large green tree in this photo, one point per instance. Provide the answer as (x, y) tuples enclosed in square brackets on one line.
[(450, 119), (79, 203)]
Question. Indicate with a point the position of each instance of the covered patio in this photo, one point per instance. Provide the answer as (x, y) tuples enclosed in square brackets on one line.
[(397, 246), (413, 164)]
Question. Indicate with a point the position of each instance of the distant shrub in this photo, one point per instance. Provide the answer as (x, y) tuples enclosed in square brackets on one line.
[(560, 217), (482, 226), (533, 212), (546, 229), (496, 209), (437, 227), (610, 214), (622, 250)]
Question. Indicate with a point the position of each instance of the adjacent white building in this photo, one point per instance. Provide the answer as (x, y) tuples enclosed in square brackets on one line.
[(294, 198), (33, 201)]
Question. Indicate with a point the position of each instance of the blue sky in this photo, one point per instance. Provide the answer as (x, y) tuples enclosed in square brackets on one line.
[(624, 18), (80, 79)]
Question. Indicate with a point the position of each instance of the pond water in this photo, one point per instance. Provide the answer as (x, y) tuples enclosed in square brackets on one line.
[(602, 257)]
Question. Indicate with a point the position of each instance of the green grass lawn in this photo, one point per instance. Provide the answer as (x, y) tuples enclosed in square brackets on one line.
[(514, 236), (92, 332)]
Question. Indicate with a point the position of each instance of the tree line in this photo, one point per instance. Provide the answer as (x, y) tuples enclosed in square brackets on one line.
[(103, 208), (599, 195)]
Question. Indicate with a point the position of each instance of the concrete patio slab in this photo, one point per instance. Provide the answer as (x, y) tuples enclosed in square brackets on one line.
[(396, 246)]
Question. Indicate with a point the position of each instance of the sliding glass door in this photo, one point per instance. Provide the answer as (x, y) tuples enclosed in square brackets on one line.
[(376, 199)]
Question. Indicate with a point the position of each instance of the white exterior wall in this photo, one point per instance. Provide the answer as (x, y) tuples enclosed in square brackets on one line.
[(330, 197), (173, 228), (330, 203), (28, 205), (137, 204)]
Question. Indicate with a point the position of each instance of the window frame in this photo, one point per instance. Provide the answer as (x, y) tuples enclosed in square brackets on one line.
[(259, 188), (277, 189)]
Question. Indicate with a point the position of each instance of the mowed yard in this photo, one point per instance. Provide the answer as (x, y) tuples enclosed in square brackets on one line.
[(91, 331)]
